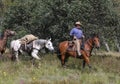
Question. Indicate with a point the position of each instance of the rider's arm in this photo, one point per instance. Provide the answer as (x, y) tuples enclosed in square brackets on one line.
[(72, 34)]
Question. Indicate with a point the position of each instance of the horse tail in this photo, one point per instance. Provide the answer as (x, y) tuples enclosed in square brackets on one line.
[(58, 54), (12, 57)]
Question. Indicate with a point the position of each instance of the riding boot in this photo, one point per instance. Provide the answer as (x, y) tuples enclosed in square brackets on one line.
[(79, 55)]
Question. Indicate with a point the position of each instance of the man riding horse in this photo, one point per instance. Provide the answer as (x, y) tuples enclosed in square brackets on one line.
[(77, 34)]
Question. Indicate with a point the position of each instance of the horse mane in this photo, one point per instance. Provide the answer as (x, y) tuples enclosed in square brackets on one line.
[(1, 36), (2, 33), (91, 37), (94, 34), (38, 41)]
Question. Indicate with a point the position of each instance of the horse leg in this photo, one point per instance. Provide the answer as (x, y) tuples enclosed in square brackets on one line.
[(1, 57), (21, 51), (84, 63), (0, 54), (16, 55), (86, 58), (34, 54), (63, 61)]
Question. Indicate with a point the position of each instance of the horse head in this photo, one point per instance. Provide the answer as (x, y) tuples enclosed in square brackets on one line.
[(49, 45), (96, 40), (9, 32)]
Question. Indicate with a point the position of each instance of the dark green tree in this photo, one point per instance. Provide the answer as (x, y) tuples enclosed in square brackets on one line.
[(55, 18)]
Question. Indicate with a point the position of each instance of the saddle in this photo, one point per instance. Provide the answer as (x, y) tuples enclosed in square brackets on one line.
[(72, 47), (26, 41)]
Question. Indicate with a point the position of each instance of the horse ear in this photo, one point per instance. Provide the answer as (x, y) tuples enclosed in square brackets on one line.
[(97, 34), (49, 39), (94, 35)]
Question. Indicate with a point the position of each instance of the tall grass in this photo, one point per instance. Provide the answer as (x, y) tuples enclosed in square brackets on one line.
[(106, 70)]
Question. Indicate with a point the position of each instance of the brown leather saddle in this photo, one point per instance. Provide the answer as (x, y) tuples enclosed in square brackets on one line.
[(72, 47)]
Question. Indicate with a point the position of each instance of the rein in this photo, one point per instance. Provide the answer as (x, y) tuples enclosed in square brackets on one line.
[(91, 46)]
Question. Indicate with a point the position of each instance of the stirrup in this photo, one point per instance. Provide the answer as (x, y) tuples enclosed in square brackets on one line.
[(79, 55)]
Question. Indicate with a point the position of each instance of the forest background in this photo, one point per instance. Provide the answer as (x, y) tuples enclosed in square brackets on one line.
[(55, 18)]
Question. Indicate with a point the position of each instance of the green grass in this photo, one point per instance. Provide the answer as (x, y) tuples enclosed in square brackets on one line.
[(106, 70)]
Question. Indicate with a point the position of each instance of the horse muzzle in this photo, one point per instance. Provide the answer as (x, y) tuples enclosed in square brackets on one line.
[(97, 47), (13, 33)]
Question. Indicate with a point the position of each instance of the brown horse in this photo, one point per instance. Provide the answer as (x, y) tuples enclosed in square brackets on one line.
[(65, 52), (3, 40)]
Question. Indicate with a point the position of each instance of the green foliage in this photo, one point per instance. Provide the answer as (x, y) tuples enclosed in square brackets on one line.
[(55, 18)]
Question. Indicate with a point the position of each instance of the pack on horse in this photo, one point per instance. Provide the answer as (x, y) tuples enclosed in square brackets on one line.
[(3, 40), (66, 50), (31, 45)]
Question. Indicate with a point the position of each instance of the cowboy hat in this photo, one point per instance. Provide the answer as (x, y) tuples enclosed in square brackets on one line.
[(78, 23)]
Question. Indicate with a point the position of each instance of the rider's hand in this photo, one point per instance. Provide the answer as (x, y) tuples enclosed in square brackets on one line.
[(83, 36), (74, 38)]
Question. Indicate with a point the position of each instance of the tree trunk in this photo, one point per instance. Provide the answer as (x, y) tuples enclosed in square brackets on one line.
[(117, 44), (106, 45)]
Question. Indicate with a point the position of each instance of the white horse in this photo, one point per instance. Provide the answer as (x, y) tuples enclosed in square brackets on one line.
[(31, 48)]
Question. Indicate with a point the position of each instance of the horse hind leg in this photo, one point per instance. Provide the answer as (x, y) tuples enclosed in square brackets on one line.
[(58, 54), (1, 56), (63, 61), (16, 55)]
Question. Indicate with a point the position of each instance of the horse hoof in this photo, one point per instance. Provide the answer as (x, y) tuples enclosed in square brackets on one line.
[(39, 59)]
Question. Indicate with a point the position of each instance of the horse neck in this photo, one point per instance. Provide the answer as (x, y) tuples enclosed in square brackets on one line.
[(89, 45), (4, 38), (42, 42)]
